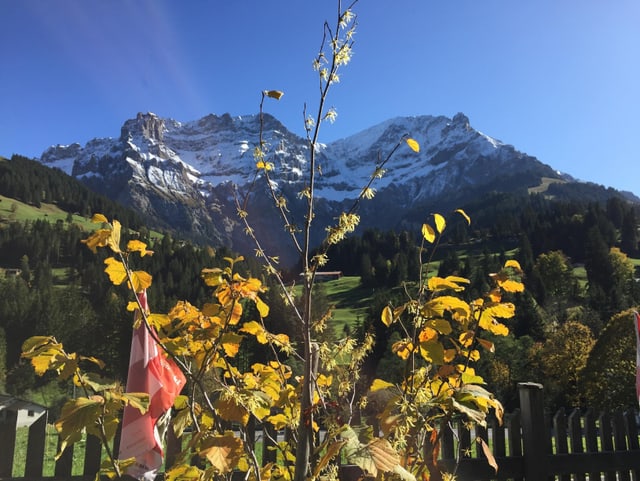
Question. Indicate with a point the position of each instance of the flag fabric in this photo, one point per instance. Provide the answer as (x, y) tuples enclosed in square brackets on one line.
[(636, 318), (150, 371)]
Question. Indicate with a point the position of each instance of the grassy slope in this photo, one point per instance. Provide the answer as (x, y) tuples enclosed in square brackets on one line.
[(14, 210), (351, 301)]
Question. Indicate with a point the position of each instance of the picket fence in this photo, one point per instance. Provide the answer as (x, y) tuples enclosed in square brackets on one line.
[(529, 446)]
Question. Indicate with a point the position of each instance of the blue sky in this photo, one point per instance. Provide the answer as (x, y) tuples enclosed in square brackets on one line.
[(560, 80)]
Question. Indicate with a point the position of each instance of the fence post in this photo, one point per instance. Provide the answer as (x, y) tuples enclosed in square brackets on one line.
[(8, 442), (534, 440)]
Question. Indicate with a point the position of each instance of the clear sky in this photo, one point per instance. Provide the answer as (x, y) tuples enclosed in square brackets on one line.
[(558, 79)]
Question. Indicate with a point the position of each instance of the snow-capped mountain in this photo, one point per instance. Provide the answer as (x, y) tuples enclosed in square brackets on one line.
[(188, 176)]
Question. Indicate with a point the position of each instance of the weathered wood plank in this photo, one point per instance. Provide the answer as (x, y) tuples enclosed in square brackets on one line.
[(560, 437), (591, 438), (575, 436), (35, 447), (7, 442)]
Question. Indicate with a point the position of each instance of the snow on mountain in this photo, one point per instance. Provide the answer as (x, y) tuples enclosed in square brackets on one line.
[(167, 168)]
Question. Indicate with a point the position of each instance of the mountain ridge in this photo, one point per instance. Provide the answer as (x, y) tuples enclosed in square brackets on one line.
[(188, 176)]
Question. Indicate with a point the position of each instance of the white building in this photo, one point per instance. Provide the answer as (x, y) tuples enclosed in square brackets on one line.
[(27, 412)]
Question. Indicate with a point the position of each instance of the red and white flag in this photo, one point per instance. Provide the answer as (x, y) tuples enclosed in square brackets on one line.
[(150, 371), (636, 322)]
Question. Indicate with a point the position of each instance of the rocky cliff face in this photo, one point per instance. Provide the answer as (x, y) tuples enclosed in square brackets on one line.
[(187, 176)]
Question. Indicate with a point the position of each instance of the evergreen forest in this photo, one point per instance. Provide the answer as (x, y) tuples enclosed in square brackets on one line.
[(572, 330)]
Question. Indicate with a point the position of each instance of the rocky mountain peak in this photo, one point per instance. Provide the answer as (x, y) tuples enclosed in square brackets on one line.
[(183, 175), (148, 126)]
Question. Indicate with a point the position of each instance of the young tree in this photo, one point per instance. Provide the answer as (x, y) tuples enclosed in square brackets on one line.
[(441, 338)]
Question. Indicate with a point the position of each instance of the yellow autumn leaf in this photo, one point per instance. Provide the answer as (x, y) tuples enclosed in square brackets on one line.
[(223, 451), (440, 222), (436, 283), (513, 263), (413, 145), (230, 410), (279, 421), (387, 316), (466, 338), (236, 314), (184, 472), (504, 310), (438, 305), (263, 308), (324, 380), (132, 306), (99, 219), (99, 238), (141, 280), (114, 238), (403, 349), (428, 233), (115, 270), (427, 334), (255, 329), (441, 325), (274, 94), (379, 384), (464, 214), (511, 286), (499, 329), (213, 277), (231, 343), (138, 246)]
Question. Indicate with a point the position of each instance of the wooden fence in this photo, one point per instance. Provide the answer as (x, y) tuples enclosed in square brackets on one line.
[(530, 446)]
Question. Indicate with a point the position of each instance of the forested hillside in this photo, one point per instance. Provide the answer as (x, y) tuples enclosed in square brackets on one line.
[(580, 260), (32, 183)]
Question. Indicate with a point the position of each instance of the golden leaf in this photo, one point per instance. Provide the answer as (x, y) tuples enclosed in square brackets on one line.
[(115, 270), (427, 334), (403, 349), (99, 219), (438, 305), (223, 452), (428, 233), (441, 223), (138, 246), (513, 263), (231, 343), (387, 316), (114, 239), (255, 329), (132, 306), (274, 94), (141, 280), (236, 314), (413, 145), (230, 410), (184, 472), (263, 308), (99, 238), (436, 283), (511, 286), (464, 214), (379, 384)]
